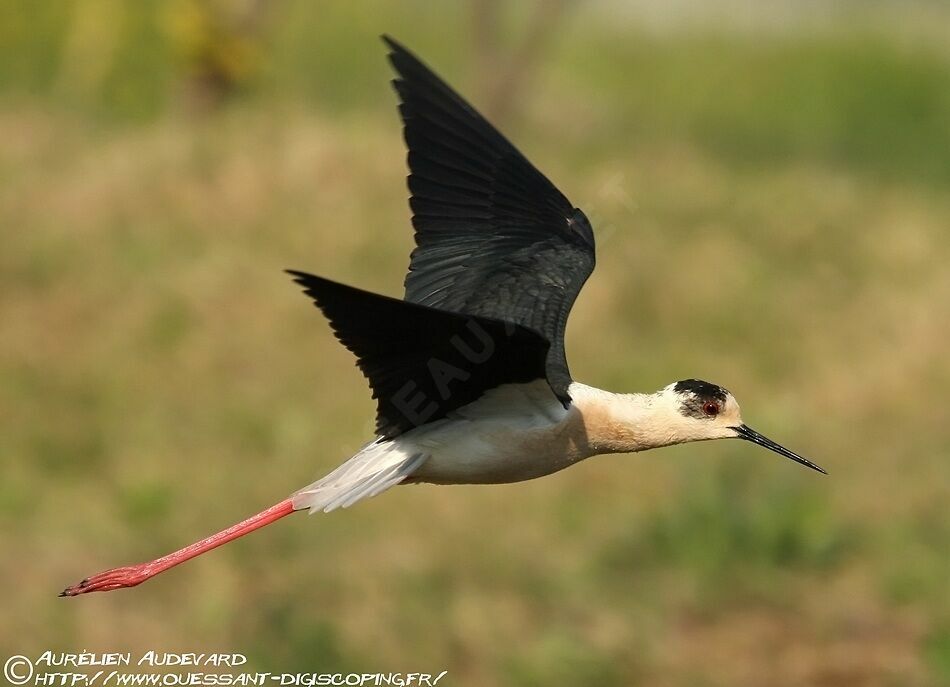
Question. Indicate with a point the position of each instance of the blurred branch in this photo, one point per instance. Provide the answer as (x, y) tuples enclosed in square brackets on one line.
[(502, 76), (218, 45)]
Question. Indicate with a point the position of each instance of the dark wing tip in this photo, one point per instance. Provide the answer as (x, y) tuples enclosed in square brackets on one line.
[(410, 69), (399, 56), (300, 277), (399, 52), (312, 285)]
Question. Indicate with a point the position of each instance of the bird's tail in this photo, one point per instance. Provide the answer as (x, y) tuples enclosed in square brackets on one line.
[(379, 465)]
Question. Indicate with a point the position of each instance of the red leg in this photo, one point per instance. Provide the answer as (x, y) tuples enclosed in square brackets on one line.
[(136, 574)]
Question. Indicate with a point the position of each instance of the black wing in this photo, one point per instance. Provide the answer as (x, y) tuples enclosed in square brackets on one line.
[(423, 363), (493, 236)]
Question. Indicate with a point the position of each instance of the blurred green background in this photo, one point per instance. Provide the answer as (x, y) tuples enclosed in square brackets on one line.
[(770, 184)]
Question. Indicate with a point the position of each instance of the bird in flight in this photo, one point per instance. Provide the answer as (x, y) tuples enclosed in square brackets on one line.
[(469, 370)]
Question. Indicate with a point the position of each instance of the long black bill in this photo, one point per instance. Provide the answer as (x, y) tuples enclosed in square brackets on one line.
[(749, 434)]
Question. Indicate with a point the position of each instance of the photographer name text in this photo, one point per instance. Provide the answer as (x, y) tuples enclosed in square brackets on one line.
[(149, 658)]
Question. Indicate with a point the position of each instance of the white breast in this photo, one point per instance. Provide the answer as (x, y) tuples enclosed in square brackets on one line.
[(513, 433)]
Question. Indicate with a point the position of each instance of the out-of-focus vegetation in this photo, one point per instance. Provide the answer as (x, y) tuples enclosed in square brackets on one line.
[(773, 209)]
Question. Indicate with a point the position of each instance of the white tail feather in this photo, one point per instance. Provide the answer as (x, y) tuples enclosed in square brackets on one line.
[(379, 465)]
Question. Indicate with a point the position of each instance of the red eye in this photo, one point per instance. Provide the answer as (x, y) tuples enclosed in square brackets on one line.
[(711, 408)]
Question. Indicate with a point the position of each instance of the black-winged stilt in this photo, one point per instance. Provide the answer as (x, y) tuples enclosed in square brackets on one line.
[(469, 371)]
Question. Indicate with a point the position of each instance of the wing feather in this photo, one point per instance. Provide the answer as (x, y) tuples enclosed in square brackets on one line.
[(423, 363), (494, 237)]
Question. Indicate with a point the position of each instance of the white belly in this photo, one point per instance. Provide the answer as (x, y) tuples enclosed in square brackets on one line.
[(513, 433)]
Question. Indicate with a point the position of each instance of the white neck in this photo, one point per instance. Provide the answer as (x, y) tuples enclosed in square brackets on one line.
[(624, 423)]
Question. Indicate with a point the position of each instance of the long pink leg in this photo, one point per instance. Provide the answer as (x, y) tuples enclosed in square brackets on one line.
[(132, 575)]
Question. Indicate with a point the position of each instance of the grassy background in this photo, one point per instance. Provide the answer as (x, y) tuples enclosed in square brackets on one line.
[(772, 201)]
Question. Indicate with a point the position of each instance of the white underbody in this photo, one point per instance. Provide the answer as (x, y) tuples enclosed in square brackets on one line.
[(513, 433)]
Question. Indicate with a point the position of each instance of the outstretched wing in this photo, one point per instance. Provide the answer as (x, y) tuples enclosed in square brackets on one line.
[(423, 363), (493, 236)]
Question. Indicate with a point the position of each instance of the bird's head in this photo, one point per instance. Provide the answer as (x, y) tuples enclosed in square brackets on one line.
[(702, 411)]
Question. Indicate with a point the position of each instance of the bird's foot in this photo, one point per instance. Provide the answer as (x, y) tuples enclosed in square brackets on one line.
[(106, 581)]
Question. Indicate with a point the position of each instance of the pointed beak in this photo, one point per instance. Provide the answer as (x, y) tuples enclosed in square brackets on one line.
[(749, 434)]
